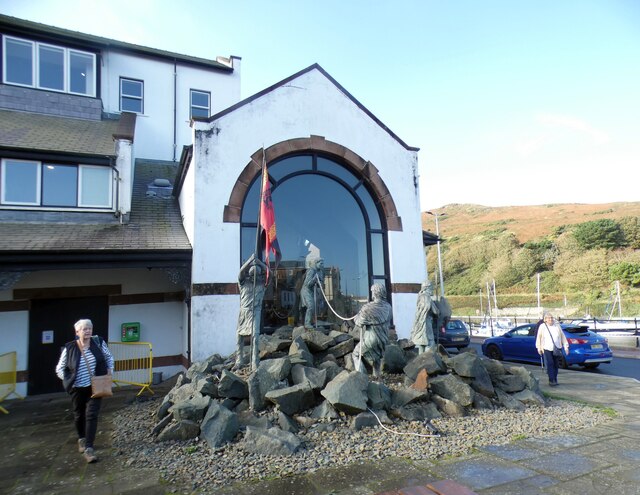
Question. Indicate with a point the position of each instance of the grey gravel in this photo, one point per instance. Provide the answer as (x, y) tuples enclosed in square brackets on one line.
[(191, 463)]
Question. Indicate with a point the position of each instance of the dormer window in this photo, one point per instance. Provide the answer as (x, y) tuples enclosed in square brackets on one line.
[(53, 185), (50, 67)]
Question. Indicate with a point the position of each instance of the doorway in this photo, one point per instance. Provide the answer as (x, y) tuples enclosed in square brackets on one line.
[(50, 327)]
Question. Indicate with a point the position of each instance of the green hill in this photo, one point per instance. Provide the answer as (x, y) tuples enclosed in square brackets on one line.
[(579, 250)]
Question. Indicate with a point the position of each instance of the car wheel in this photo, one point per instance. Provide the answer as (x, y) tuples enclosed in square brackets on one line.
[(591, 366), (562, 363), (494, 352)]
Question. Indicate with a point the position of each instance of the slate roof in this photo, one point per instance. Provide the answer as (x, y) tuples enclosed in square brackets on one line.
[(32, 131), (14, 25), (155, 226)]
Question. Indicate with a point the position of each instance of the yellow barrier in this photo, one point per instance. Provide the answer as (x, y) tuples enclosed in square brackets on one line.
[(8, 371), (133, 364)]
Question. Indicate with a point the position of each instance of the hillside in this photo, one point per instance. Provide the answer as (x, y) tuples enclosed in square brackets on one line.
[(526, 222), (578, 251)]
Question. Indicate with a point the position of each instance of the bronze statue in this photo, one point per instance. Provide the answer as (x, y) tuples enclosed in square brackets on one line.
[(427, 313), (372, 321), (251, 296), (315, 270)]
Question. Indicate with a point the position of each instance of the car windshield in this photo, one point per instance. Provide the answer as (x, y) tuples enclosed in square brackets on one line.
[(575, 329), (455, 325)]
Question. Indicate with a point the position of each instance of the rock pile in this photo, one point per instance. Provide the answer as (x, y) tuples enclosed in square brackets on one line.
[(306, 379)]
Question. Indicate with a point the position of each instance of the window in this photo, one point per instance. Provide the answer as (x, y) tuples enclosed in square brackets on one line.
[(200, 103), (348, 232), (32, 183), (131, 95), (50, 67)]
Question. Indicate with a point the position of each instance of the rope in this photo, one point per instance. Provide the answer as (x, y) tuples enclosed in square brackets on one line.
[(329, 304), (402, 432)]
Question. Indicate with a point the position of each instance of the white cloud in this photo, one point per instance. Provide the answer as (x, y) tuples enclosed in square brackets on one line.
[(575, 124)]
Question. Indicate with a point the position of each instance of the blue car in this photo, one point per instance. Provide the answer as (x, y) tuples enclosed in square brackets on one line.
[(586, 348)]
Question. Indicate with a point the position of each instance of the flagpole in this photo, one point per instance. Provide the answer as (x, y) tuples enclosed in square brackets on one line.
[(255, 354)]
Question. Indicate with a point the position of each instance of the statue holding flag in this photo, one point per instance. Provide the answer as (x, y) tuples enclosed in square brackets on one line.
[(251, 283), (254, 274)]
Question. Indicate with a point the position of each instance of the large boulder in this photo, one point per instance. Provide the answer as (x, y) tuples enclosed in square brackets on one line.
[(348, 392), (316, 341), (428, 360), (394, 359), (273, 441), (292, 400), (379, 396), (270, 375), (315, 377), (299, 352), (219, 426), (192, 409), (232, 386), (180, 430), (452, 388)]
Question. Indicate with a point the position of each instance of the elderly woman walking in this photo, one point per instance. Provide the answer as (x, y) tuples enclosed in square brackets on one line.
[(549, 342), (80, 359)]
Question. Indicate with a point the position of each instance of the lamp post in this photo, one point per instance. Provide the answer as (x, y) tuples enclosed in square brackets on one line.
[(439, 253)]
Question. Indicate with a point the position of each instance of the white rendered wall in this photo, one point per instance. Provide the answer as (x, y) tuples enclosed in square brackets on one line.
[(214, 330), (308, 105), (154, 137)]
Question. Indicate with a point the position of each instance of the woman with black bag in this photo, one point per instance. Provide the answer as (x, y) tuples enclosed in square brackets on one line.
[(82, 358), (549, 342)]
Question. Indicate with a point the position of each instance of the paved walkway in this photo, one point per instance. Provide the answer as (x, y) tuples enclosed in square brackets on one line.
[(39, 455)]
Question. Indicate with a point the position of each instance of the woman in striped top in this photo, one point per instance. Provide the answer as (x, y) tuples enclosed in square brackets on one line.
[(73, 370)]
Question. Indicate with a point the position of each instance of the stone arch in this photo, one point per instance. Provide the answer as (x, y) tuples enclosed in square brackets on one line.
[(361, 167)]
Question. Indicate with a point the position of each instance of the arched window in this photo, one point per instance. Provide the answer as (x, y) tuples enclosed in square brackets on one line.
[(322, 210)]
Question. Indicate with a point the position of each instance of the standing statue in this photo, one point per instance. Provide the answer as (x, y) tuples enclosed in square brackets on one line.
[(251, 297), (372, 322), (315, 269), (427, 314)]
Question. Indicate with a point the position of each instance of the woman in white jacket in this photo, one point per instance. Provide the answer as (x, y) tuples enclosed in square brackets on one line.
[(550, 337)]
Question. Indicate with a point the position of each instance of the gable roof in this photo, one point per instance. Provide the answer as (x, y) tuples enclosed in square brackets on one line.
[(284, 82), (49, 133), (14, 25), (154, 235)]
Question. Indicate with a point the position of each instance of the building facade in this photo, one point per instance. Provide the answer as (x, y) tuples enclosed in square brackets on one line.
[(130, 189)]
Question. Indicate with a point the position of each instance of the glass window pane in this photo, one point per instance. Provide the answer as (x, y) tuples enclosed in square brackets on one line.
[(82, 73), (248, 242), (199, 112), (131, 88), (281, 169), (369, 205), (377, 254), (51, 67), (59, 185), (339, 171), (20, 182), (200, 99), (95, 186), (335, 231), (251, 203), (131, 105), (19, 62)]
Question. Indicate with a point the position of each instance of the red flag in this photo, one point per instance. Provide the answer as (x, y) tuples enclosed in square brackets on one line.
[(268, 221)]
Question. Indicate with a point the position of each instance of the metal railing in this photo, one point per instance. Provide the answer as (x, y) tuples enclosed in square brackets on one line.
[(8, 375), (133, 364)]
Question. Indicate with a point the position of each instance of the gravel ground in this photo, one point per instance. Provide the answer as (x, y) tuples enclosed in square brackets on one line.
[(193, 464)]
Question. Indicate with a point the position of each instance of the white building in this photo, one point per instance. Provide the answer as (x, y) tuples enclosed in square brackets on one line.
[(88, 125)]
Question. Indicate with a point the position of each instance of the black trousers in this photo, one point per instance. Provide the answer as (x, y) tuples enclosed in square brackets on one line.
[(85, 413)]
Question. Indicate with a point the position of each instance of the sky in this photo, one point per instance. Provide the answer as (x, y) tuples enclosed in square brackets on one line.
[(511, 102)]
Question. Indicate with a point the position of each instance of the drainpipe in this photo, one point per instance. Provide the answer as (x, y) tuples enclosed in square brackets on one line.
[(175, 107), (118, 212)]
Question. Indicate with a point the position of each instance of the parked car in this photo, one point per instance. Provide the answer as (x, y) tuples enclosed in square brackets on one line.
[(586, 348), (454, 334)]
